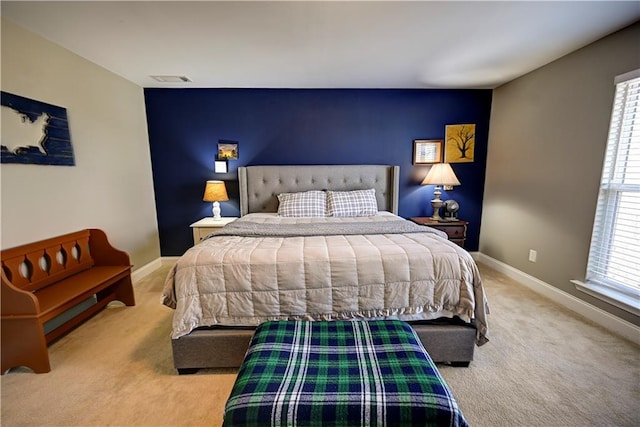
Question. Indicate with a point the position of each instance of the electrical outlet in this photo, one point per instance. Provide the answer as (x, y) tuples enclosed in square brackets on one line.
[(533, 255)]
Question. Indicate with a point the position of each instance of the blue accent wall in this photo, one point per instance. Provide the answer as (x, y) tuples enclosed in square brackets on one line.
[(304, 126)]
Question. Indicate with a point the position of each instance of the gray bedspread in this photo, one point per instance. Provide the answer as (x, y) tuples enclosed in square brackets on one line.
[(263, 267), (261, 229)]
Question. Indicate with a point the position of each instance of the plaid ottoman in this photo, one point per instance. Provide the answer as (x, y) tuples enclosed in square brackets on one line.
[(347, 373)]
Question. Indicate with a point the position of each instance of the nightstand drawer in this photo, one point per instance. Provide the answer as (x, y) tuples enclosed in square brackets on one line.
[(200, 233), (456, 230)]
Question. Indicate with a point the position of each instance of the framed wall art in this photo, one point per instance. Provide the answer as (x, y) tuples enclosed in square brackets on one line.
[(34, 132), (427, 151), (460, 143), (227, 150)]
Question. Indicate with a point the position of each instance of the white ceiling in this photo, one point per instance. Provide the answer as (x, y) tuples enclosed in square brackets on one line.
[(353, 44)]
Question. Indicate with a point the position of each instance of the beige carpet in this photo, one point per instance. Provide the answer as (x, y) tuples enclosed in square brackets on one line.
[(544, 366)]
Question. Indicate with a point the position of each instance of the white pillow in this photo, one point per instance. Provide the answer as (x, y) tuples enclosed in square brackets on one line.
[(352, 203), (303, 204)]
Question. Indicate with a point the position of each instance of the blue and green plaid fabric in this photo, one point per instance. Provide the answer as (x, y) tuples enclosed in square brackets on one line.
[(340, 373)]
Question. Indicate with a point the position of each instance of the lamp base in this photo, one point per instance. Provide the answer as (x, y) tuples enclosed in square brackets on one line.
[(436, 204), (216, 211)]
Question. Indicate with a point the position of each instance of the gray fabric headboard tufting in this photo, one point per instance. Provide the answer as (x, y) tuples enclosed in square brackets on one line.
[(260, 185)]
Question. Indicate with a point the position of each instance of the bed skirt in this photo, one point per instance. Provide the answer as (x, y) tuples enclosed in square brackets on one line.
[(225, 347)]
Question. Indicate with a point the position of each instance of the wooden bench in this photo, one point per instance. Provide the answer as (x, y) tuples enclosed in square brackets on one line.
[(43, 280)]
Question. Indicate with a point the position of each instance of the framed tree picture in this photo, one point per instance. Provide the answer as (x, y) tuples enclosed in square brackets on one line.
[(427, 151), (460, 142)]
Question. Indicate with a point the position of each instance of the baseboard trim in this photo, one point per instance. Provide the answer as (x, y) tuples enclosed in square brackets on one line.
[(145, 270), (149, 268), (169, 260), (607, 320)]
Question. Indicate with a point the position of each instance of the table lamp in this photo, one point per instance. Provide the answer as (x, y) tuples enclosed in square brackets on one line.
[(215, 192), (440, 174)]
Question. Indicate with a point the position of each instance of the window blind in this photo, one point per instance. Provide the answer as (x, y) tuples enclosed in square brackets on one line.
[(614, 257)]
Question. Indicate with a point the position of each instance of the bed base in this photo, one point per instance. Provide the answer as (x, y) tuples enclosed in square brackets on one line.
[(226, 347)]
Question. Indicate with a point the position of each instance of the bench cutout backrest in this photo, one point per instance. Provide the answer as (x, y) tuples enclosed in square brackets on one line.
[(36, 265)]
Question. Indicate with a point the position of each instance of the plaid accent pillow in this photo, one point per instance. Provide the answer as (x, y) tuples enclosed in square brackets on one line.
[(303, 204), (352, 203)]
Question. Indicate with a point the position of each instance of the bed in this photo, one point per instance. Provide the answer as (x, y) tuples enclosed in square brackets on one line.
[(275, 263)]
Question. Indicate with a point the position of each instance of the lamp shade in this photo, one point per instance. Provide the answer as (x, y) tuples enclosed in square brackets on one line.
[(441, 174), (215, 191)]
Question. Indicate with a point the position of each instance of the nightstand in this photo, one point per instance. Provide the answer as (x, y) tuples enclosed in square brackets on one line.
[(206, 226), (456, 230)]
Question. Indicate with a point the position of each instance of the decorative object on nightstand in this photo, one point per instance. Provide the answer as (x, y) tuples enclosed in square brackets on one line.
[(206, 226), (440, 174), (456, 230), (215, 192), (451, 208)]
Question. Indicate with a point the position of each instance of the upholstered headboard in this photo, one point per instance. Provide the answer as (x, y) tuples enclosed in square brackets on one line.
[(260, 185)]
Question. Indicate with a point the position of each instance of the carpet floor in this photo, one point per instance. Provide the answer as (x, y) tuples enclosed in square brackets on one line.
[(544, 366)]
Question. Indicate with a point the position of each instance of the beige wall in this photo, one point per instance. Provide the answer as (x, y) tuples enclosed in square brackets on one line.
[(546, 148), (111, 185)]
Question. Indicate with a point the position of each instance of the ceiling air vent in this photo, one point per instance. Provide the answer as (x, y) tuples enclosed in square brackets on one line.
[(172, 79)]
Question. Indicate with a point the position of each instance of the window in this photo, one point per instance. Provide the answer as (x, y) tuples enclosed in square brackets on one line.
[(613, 270)]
